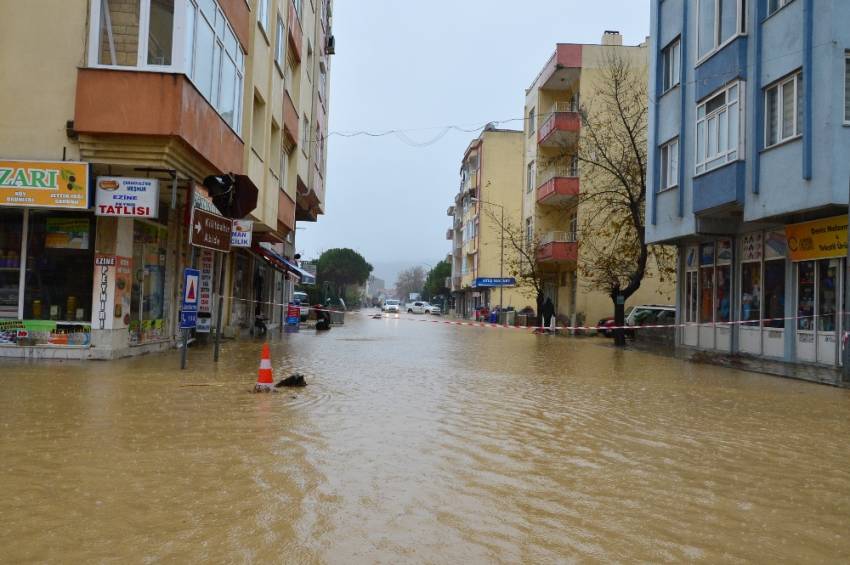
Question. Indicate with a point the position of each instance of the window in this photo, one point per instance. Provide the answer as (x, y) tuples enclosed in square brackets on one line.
[(258, 128), (140, 34), (309, 60), (774, 5), (531, 124), (718, 139), (669, 165), (530, 178), (671, 65), (718, 22), (263, 13), (279, 44), (783, 107)]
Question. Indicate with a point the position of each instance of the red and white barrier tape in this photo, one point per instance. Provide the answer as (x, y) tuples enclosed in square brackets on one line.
[(753, 323)]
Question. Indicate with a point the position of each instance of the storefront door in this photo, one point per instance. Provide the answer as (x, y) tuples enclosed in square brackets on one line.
[(819, 285), (147, 304)]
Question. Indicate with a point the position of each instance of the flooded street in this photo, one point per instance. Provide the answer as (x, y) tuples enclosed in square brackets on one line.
[(420, 443)]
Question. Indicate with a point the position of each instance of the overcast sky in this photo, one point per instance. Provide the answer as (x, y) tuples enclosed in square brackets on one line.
[(418, 65)]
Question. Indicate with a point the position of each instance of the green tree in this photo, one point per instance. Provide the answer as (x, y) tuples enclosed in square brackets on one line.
[(435, 282), (340, 268)]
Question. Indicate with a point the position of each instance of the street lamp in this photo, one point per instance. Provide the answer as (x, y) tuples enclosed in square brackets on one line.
[(502, 251)]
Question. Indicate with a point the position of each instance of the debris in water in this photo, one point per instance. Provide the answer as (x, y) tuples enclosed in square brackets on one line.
[(294, 380)]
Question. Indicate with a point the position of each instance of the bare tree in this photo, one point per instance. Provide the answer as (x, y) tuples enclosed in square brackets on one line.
[(521, 258), (409, 281), (612, 155)]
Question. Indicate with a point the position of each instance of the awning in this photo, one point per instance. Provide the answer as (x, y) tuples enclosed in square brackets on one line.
[(282, 263)]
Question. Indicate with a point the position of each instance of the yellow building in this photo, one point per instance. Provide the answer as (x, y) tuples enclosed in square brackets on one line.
[(490, 175), (552, 180), (146, 99)]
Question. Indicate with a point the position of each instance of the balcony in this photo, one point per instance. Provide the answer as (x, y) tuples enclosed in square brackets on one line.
[(296, 34), (158, 119), (558, 247), (562, 127), (558, 186), (290, 123), (470, 183), (450, 234), (450, 211)]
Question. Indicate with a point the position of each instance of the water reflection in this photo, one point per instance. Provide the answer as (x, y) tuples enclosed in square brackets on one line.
[(420, 442)]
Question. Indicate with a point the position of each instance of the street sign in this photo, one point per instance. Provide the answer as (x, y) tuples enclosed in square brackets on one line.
[(493, 282), (188, 319), (191, 290), (210, 230)]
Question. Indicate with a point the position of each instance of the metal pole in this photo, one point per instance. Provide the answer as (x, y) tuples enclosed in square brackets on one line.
[(218, 312), (845, 333), (185, 351), (502, 268)]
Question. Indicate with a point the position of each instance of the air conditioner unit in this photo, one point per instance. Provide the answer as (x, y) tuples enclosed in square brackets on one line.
[(331, 47)]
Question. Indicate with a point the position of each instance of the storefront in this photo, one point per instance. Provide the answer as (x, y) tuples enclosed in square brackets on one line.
[(818, 250), (46, 254), (148, 318)]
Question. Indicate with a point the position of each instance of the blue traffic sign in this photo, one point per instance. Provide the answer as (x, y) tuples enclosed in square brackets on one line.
[(491, 282), (188, 319), (191, 290)]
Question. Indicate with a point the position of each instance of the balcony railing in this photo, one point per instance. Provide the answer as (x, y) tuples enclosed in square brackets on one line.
[(557, 171), (558, 237), (558, 185), (558, 247), (562, 125)]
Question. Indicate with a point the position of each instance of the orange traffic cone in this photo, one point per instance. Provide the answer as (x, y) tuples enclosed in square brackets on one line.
[(265, 381)]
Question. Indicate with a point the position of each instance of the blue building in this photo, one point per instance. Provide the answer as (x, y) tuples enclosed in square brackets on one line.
[(749, 145)]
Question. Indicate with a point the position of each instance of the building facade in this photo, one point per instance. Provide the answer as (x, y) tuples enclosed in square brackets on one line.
[(749, 115), (552, 210), (147, 100), (490, 177)]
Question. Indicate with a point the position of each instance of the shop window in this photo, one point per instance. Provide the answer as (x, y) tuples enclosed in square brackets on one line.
[(57, 246), (691, 285), (723, 281), (774, 293), (805, 295), (751, 293), (11, 230), (147, 318), (706, 283), (828, 276)]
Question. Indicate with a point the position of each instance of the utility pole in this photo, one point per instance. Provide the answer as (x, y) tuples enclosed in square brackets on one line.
[(845, 330)]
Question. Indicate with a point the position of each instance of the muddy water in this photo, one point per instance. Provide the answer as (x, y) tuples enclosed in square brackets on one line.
[(420, 443)]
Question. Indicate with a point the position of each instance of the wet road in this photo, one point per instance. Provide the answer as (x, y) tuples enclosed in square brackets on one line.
[(420, 443)]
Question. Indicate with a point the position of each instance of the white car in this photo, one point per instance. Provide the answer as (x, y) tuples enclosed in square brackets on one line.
[(434, 310), (393, 306), (421, 307)]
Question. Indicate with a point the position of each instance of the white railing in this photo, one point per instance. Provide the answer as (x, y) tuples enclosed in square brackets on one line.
[(556, 171), (558, 237), (565, 106)]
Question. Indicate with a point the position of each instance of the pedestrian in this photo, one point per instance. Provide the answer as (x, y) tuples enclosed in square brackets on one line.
[(547, 312)]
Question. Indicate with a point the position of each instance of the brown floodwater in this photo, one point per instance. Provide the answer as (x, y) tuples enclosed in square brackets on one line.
[(420, 443)]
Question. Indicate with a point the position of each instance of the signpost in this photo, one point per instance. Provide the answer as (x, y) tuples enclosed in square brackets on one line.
[(189, 308), (210, 231)]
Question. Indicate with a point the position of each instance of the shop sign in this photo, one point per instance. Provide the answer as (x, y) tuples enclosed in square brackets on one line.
[(751, 247), (241, 235), (44, 184), (121, 196), (821, 239), (210, 230), (205, 292)]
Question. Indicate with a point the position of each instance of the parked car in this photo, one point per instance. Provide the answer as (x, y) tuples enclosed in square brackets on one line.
[(392, 306), (434, 310), (644, 315), (301, 300)]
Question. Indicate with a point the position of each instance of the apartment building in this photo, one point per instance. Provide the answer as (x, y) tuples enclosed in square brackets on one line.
[(552, 178), (142, 101), (490, 177), (748, 128)]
